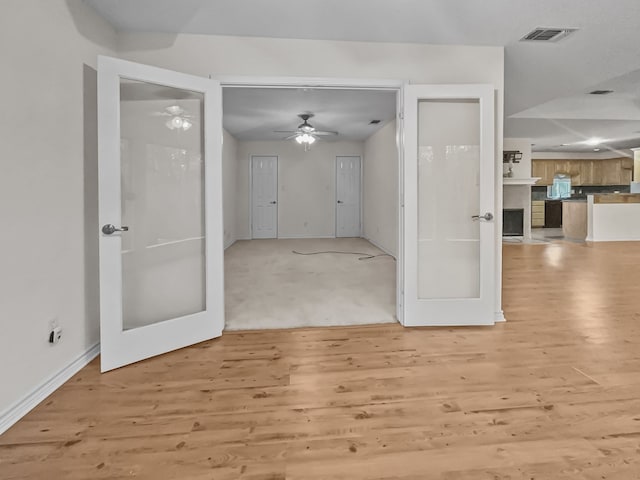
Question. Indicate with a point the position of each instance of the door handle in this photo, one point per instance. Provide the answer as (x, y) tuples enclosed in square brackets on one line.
[(109, 229), (487, 216), (340, 201), (273, 202)]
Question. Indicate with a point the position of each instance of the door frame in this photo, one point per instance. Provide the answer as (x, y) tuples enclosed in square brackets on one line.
[(398, 86), (329, 83), (251, 155), (335, 209)]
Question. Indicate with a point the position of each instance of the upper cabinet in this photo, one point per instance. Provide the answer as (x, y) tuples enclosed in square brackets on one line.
[(614, 171)]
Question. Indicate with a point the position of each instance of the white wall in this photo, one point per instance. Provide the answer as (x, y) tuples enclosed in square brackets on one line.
[(232, 55), (380, 185), (229, 185), (306, 186), (48, 188)]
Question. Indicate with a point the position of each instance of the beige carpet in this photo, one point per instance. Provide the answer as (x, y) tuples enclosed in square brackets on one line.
[(267, 286)]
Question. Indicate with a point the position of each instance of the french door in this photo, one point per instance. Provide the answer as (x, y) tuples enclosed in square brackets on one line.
[(160, 211), (448, 215)]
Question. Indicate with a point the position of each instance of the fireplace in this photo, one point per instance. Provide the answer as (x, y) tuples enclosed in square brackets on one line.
[(513, 222)]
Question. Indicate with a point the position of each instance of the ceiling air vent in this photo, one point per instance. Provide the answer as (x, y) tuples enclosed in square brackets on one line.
[(541, 34), (601, 92), (374, 122)]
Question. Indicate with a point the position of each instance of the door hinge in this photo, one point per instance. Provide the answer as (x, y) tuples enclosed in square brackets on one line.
[(401, 115)]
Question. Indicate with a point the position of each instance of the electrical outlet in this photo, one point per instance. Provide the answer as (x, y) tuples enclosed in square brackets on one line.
[(55, 335)]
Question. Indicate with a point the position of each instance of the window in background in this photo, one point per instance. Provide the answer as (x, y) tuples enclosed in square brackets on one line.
[(561, 187)]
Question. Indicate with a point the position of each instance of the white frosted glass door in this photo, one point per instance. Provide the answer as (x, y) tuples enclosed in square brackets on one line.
[(160, 211), (449, 201)]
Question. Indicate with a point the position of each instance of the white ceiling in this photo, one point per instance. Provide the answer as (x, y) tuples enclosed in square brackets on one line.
[(256, 113), (546, 85)]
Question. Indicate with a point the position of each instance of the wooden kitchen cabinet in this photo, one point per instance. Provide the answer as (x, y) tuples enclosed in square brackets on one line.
[(614, 171), (538, 170), (610, 172), (537, 213)]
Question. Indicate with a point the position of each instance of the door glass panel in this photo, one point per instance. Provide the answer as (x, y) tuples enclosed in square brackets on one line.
[(162, 188), (448, 195)]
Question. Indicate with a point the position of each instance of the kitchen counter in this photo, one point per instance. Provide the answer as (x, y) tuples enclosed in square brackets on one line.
[(613, 217), (574, 218), (616, 198)]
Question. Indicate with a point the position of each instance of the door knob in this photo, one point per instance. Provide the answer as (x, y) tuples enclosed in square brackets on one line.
[(108, 229), (487, 216), (340, 201), (273, 203)]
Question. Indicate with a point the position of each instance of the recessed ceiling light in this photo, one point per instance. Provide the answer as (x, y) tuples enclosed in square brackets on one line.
[(593, 141), (596, 149), (600, 92)]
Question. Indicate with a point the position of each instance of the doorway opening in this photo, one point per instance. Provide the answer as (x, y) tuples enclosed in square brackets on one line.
[(311, 230)]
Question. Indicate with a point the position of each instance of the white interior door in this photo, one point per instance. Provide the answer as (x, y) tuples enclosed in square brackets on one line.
[(161, 238), (348, 197), (449, 231), (264, 196)]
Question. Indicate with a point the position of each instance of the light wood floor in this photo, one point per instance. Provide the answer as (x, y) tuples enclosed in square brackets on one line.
[(554, 393)]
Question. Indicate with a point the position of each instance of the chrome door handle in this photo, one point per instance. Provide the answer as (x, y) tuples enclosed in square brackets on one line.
[(487, 216), (108, 229), (273, 203)]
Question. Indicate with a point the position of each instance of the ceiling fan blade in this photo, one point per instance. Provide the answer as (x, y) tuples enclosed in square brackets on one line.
[(291, 137), (320, 132), (286, 131)]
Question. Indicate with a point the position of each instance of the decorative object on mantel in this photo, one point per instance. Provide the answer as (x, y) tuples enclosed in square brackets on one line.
[(510, 157)]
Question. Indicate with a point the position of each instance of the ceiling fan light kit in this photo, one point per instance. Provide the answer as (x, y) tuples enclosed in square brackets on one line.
[(306, 134), (179, 118), (178, 123)]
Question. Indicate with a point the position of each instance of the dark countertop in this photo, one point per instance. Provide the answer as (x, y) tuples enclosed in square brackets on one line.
[(575, 199)]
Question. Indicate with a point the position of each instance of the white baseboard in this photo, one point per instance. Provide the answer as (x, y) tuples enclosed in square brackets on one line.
[(23, 406), (499, 317), (377, 245), (230, 243)]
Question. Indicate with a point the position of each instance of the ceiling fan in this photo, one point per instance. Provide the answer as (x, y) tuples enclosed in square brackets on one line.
[(306, 134), (179, 118)]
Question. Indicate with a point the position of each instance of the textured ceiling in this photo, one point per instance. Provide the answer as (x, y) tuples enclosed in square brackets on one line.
[(255, 113)]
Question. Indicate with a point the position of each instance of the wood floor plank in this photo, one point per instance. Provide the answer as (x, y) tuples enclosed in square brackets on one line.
[(553, 393)]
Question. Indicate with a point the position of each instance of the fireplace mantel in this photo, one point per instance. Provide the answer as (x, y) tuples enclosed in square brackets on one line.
[(520, 181)]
